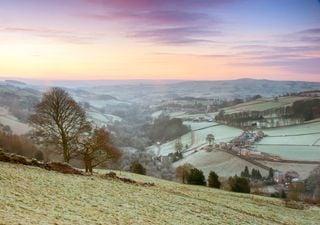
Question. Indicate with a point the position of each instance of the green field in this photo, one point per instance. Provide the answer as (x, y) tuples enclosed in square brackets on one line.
[(34, 196), (263, 104)]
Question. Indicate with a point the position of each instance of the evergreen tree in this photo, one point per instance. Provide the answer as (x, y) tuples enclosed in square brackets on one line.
[(271, 173), (213, 180), (239, 184), (196, 177), (136, 167), (245, 173)]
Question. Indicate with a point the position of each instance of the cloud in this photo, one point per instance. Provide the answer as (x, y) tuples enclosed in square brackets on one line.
[(64, 36), (178, 35), (156, 4), (162, 21)]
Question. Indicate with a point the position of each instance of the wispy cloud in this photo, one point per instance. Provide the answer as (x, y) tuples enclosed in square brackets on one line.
[(162, 21), (60, 35), (177, 35)]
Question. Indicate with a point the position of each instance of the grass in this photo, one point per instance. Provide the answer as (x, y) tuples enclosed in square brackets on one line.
[(34, 196), (263, 104), (298, 142)]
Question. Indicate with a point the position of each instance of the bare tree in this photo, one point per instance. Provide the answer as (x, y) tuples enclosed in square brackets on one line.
[(96, 148), (178, 146), (59, 120), (183, 171), (210, 138)]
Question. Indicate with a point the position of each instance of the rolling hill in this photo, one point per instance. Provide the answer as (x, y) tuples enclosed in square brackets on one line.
[(30, 195)]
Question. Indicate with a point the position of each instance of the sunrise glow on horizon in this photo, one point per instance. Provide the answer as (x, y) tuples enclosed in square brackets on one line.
[(160, 39)]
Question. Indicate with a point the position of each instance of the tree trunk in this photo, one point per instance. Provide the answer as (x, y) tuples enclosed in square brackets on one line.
[(88, 164), (66, 156)]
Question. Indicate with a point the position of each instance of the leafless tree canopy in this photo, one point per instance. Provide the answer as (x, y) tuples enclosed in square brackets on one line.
[(59, 120), (96, 148)]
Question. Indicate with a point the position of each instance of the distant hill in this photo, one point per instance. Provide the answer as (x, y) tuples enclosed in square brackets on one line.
[(242, 88), (15, 82), (31, 195)]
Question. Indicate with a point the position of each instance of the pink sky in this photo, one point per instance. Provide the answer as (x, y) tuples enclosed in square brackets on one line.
[(160, 39)]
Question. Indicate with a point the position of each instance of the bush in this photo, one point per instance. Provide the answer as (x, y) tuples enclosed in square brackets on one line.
[(239, 184), (213, 180), (183, 171), (136, 167), (20, 145), (196, 177), (39, 155)]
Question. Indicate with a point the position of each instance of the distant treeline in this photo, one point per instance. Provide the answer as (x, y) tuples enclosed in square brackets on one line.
[(17, 144), (305, 109), (165, 129)]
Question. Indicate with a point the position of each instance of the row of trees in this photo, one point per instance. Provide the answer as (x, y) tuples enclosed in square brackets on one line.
[(60, 121), (19, 145), (165, 129), (188, 174), (255, 174)]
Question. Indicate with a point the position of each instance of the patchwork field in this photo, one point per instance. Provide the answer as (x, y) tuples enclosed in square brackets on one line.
[(263, 104), (35, 196), (300, 142), (16, 126), (222, 163), (102, 119), (198, 136)]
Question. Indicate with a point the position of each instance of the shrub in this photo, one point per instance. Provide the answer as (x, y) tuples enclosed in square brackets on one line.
[(136, 167), (183, 171), (39, 155), (196, 177), (245, 173), (239, 184), (213, 180)]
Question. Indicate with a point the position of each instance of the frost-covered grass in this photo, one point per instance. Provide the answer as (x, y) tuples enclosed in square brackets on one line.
[(308, 153), (169, 147), (291, 140), (224, 164), (294, 130), (263, 104), (197, 138), (299, 142), (102, 119), (34, 196), (198, 125), (302, 169), (17, 127), (222, 133)]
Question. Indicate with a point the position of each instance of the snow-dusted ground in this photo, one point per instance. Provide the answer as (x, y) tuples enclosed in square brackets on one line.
[(299, 142), (195, 138), (169, 147), (102, 119), (222, 133), (263, 104), (16, 126), (222, 163), (199, 125), (302, 169), (309, 153), (30, 195)]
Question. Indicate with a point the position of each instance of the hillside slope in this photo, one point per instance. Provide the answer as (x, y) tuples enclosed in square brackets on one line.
[(31, 195)]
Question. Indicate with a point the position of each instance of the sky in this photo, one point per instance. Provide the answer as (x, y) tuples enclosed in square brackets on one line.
[(160, 39)]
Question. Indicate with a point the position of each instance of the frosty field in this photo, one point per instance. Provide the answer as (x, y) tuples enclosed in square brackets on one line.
[(300, 142), (308, 153), (34, 196), (222, 163), (6, 118), (263, 104), (197, 137)]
